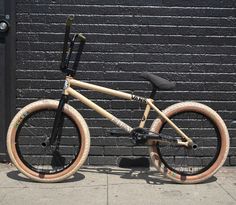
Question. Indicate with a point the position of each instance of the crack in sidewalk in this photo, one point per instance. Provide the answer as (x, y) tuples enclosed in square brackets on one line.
[(107, 190), (226, 191)]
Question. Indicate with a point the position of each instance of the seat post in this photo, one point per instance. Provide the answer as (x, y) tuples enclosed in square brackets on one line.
[(153, 93)]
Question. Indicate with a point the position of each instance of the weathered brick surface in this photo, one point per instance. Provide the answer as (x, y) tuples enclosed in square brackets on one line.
[(190, 42)]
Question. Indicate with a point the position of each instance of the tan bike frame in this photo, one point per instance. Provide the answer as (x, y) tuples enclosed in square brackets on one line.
[(68, 90)]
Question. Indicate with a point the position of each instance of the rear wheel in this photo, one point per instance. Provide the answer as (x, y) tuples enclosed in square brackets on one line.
[(211, 143), (27, 148)]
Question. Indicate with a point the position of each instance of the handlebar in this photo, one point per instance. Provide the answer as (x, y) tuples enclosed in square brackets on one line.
[(66, 54), (66, 39), (69, 21), (79, 52)]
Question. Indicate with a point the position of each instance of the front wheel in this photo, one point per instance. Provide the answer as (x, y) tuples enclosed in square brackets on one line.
[(30, 129), (208, 132)]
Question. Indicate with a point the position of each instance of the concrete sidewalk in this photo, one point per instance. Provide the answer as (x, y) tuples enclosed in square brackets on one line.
[(112, 185)]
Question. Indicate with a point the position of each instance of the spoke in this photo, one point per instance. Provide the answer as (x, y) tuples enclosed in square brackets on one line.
[(188, 160), (171, 158), (58, 160), (40, 154), (43, 163), (51, 159), (29, 129)]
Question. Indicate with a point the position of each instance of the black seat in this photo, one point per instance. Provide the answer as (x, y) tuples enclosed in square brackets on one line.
[(158, 82)]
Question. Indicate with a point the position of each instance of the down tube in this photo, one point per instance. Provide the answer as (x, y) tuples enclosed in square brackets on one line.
[(99, 110)]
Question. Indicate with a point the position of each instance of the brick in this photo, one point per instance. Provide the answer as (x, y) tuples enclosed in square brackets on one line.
[(96, 150), (228, 162), (232, 160), (193, 3), (140, 151), (124, 141), (102, 160), (232, 139), (114, 151)]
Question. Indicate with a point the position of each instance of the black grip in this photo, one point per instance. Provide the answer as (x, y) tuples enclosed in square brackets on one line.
[(79, 53), (66, 39)]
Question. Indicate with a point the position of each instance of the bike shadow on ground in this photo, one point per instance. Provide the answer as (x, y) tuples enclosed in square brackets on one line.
[(151, 176), (137, 168), (128, 169), (16, 175)]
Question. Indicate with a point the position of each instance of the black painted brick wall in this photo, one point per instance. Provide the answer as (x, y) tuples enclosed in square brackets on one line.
[(190, 42)]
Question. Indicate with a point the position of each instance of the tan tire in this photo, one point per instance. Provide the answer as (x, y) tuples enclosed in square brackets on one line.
[(21, 162), (174, 174)]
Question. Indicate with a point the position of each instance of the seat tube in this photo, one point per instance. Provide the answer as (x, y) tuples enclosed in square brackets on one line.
[(148, 107), (145, 116)]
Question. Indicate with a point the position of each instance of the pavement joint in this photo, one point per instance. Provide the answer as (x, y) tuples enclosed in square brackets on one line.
[(226, 191), (107, 189)]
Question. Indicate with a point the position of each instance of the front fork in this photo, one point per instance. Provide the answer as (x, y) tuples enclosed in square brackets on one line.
[(59, 119), (58, 122)]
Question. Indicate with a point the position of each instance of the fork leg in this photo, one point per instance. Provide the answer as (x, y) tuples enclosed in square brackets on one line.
[(59, 119)]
